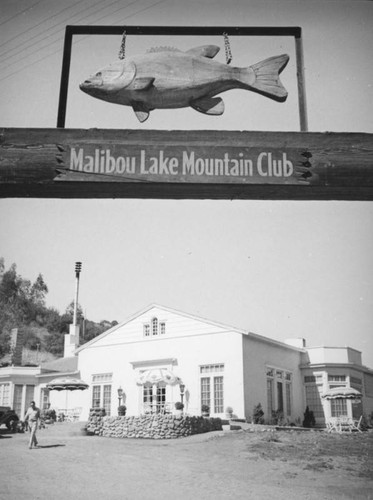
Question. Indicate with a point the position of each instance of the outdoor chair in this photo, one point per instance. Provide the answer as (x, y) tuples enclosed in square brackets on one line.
[(332, 424), (356, 424)]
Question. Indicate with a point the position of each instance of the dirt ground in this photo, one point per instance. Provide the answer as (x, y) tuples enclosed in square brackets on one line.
[(219, 465)]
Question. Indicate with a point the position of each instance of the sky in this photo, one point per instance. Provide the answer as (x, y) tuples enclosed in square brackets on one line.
[(280, 269)]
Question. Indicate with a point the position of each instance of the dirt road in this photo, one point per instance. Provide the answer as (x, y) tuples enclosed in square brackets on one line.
[(219, 465)]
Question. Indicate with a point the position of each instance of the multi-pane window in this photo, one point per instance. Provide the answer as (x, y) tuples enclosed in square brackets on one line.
[(356, 381), (17, 398), (5, 394), (101, 378), (270, 396), (106, 402), (212, 368), (146, 330), (338, 407), (313, 399), (96, 396), (212, 387), (218, 395), (337, 378), (336, 381), (154, 328), (205, 391), (151, 403), (101, 391), (288, 399), (279, 391)]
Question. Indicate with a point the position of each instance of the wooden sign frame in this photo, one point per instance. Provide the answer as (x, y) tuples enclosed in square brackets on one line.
[(295, 32), (178, 164)]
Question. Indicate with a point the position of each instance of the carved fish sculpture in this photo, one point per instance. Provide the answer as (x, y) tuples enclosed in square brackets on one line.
[(165, 78)]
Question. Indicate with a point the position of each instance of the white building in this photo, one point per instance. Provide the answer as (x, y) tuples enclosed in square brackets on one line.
[(215, 364)]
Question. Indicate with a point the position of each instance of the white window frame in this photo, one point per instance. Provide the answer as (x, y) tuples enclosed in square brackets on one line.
[(274, 377), (5, 394), (212, 387), (100, 384)]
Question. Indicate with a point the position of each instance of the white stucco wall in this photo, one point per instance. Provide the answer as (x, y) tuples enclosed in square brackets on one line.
[(258, 355), (187, 344)]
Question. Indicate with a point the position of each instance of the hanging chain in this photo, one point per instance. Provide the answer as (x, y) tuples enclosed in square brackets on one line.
[(122, 50), (228, 52)]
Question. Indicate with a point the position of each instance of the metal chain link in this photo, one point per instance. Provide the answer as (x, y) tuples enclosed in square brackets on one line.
[(228, 52), (122, 50)]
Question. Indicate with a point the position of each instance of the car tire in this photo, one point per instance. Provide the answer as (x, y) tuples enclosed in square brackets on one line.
[(11, 424)]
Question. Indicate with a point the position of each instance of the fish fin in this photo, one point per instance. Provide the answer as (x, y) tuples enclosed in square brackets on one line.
[(141, 111), (267, 77), (209, 105), (162, 49), (209, 51), (141, 83)]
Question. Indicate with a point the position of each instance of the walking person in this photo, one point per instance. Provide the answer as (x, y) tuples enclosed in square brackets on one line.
[(32, 417)]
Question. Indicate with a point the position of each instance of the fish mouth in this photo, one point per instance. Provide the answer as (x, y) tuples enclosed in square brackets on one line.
[(91, 84)]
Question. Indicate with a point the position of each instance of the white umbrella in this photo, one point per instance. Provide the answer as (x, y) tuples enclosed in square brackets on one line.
[(158, 376), (342, 393), (67, 384)]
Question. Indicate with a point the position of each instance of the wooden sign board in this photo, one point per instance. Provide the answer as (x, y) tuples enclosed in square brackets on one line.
[(67, 163), (184, 163)]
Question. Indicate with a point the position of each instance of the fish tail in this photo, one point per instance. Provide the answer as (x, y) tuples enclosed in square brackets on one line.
[(267, 77)]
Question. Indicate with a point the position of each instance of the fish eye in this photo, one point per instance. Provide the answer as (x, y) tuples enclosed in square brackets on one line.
[(98, 74)]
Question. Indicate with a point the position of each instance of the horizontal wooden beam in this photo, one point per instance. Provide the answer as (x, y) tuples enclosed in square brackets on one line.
[(75, 163)]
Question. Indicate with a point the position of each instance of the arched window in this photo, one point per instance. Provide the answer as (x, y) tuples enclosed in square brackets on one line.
[(155, 326)]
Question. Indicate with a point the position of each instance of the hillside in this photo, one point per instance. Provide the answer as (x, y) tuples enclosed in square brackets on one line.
[(40, 329)]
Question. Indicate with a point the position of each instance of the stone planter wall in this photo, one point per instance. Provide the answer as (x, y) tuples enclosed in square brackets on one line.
[(151, 426)]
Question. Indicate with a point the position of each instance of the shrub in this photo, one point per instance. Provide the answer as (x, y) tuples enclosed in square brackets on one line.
[(49, 415), (278, 418), (205, 408), (309, 418), (122, 410), (258, 414), (179, 405)]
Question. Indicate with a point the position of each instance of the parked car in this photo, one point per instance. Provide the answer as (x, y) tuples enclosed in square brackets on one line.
[(8, 417)]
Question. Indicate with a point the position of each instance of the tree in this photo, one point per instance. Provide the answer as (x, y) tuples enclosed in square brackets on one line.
[(54, 343), (38, 291)]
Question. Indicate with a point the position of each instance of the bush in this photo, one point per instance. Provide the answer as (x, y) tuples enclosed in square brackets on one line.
[(122, 410), (205, 408), (258, 414), (49, 415), (278, 418), (309, 418), (179, 405)]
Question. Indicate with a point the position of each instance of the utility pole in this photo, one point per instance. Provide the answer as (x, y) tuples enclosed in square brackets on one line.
[(72, 338)]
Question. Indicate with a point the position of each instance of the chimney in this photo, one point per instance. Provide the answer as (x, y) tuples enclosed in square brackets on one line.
[(296, 342), (16, 347)]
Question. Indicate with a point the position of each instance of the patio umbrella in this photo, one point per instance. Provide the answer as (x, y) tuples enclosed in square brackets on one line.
[(342, 393), (158, 375), (67, 384)]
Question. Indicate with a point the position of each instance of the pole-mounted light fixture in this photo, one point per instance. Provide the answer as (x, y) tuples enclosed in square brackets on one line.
[(182, 389), (78, 268), (120, 395)]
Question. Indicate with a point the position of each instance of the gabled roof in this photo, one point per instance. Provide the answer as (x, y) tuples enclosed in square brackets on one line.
[(61, 365), (190, 316)]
